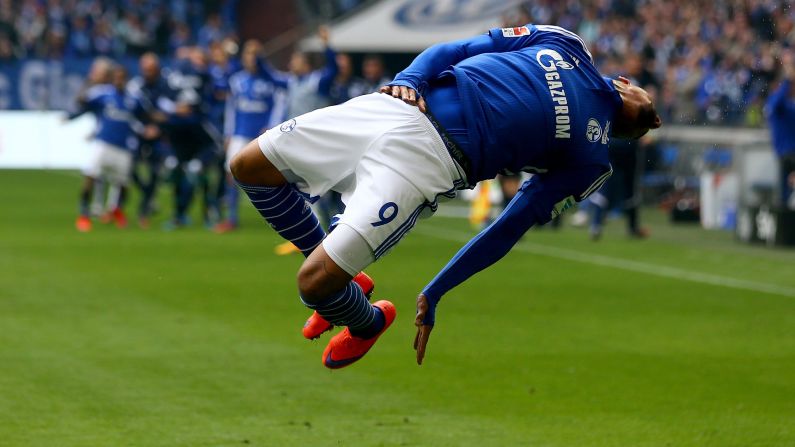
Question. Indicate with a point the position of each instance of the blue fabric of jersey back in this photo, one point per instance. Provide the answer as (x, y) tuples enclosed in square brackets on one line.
[(537, 104)]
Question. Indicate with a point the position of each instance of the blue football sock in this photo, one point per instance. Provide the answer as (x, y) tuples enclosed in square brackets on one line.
[(350, 307), (288, 213), (85, 201), (232, 198)]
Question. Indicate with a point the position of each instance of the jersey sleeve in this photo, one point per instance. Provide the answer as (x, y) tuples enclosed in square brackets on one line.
[(512, 39), (538, 200), (328, 72), (440, 57), (92, 100), (280, 78)]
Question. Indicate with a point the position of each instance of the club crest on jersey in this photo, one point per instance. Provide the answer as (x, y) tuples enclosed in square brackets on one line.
[(288, 126), (517, 31), (593, 132)]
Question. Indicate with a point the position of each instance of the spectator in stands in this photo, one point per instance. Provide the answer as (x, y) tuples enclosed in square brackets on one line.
[(136, 39), (104, 41), (80, 43), (9, 38), (31, 23), (179, 38), (6, 49), (374, 74), (781, 115), (345, 84), (211, 31)]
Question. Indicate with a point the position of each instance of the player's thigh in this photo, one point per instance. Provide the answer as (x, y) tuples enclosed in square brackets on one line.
[(118, 165), (319, 150), (250, 166), (382, 209), (93, 168)]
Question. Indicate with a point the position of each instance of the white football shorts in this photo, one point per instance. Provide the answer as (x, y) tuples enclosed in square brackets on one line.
[(236, 144), (110, 162), (382, 155)]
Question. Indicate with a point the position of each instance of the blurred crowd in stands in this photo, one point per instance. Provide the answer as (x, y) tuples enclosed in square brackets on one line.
[(85, 28), (708, 61), (705, 62)]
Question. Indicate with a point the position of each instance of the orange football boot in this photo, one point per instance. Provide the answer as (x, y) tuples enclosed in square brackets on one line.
[(226, 226), (83, 224), (316, 325), (119, 218), (344, 348), (286, 248)]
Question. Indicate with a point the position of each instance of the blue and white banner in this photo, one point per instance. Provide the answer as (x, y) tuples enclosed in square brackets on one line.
[(34, 84)]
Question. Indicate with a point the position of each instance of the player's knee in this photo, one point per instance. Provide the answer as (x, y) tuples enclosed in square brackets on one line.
[(241, 170), (319, 278), (251, 167), (313, 283)]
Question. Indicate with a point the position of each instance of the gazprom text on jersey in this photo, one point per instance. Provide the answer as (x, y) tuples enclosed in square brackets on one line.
[(556, 90)]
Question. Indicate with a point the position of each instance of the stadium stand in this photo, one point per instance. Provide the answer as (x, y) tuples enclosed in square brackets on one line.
[(713, 62)]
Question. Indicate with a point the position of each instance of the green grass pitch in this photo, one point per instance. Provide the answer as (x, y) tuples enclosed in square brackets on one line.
[(148, 338)]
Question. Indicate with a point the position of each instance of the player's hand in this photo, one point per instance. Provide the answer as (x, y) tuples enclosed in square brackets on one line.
[(183, 109), (788, 64), (407, 94), (423, 329), (158, 117), (323, 34), (151, 132)]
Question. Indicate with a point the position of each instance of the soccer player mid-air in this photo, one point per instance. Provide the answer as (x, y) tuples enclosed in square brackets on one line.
[(515, 99)]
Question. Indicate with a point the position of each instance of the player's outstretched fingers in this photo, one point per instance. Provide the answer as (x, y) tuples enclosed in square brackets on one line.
[(423, 330), (422, 105), (408, 95)]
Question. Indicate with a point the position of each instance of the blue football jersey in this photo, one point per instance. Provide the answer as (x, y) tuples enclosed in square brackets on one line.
[(114, 111), (523, 99), (530, 100), (256, 102), (192, 86)]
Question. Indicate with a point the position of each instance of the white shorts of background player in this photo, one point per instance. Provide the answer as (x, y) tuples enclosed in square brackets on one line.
[(382, 155), (236, 144), (110, 163)]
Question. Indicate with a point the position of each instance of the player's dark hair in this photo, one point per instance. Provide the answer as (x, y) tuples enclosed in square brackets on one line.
[(648, 117), (374, 57)]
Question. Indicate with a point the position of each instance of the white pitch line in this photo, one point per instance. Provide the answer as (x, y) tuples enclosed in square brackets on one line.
[(624, 264)]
